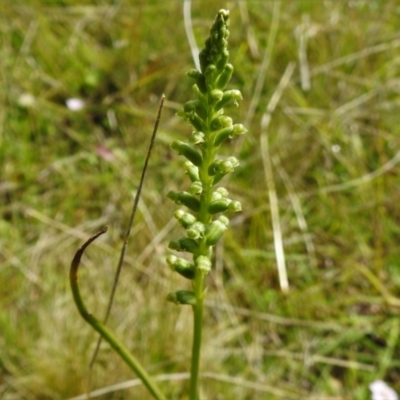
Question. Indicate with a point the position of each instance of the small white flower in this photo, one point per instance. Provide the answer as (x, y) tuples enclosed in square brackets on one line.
[(381, 391), (26, 100), (75, 104)]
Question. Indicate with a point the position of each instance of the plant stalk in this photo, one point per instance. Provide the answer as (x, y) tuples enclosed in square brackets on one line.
[(197, 335), (198, 283)]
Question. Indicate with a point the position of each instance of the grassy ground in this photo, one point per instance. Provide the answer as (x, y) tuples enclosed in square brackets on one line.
[(333, 147)]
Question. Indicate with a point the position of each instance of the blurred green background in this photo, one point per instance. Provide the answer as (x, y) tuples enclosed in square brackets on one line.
[(329, 155)]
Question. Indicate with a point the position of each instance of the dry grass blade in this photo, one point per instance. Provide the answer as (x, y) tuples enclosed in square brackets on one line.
[(266, 157), (130, 224), (187, 18), (262, 73)]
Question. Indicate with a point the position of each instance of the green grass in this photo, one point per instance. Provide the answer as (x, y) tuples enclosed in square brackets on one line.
[(338, 327)]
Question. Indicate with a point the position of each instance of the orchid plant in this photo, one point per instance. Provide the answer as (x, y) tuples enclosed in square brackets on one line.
[(206, 220)]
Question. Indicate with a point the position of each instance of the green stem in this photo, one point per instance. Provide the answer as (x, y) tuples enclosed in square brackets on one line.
[(198, 283), (197, 334), (103, 330)]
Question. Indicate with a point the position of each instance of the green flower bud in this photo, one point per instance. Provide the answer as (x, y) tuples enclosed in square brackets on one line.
[(192, 171), (171, 259), (191, 105), (224, 219), (239, 129), (224, 167), (182, 297), (181, 113), (229, 164), (196, 187), (219, 206), (234, 95), (226, 74), (184, 218), (197, 137), (193, 73), (235, 206), (196, 231), (196, 89), (233, 161), (182, 266), (221, 122), (186, 199), (217, 95), (188, 151), (223, 43), (214, 232), (184, 244), (216, 196), (203, 264), (174, 196), (209, 74), (222, 191)]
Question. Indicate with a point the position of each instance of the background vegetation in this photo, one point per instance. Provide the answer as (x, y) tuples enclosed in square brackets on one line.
[(333, 143)]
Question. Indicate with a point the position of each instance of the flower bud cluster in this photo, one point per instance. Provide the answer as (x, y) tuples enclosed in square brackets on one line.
[(205, 221)]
